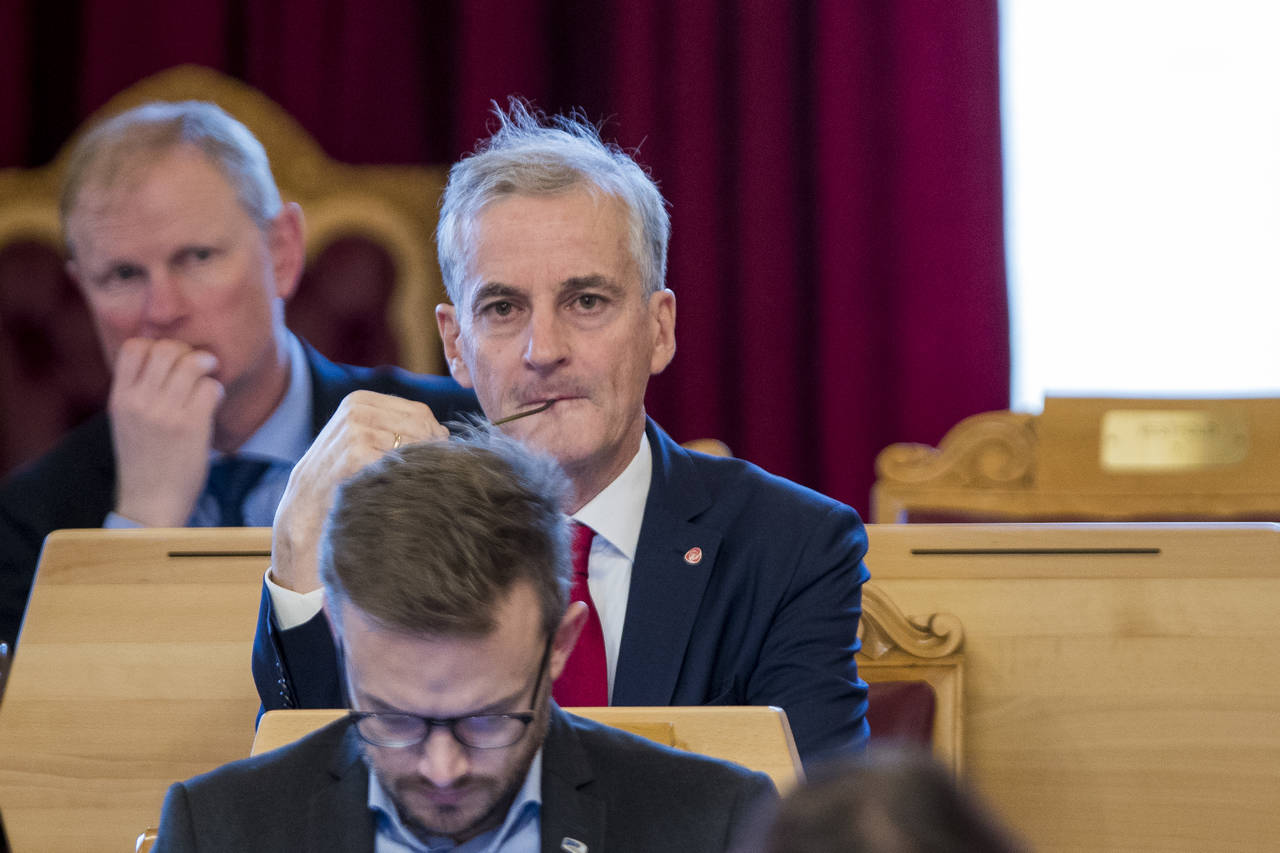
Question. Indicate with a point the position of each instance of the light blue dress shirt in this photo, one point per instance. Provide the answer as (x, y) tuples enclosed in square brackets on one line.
[(282, 440), (519, 833)]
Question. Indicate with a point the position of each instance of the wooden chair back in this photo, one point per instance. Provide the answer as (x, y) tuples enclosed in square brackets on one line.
[(1121, 683), (757, 737), (911, 662), (132, 673), (710, 446), (1092, 459)]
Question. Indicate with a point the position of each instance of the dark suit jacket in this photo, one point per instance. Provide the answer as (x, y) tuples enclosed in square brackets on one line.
[(613, 791), (767, 616), (74, 484)]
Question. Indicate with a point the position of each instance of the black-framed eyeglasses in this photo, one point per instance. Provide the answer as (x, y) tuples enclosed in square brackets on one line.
[(395, 730)]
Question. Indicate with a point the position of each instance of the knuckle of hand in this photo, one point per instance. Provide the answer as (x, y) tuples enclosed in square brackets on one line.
[(358, 398)]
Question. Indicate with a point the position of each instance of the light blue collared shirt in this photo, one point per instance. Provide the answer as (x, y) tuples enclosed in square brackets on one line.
[(281, 440), (519, 833)]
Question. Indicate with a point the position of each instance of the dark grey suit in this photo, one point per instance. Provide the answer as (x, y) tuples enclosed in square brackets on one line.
[(608, 789)]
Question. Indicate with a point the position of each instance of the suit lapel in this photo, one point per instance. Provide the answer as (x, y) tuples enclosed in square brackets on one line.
[(98, 487), (329, 384), (338, 817), (570, 807), (668, 580)]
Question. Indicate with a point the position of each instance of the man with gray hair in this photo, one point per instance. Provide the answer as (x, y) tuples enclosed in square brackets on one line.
[(708, 580), (185, 254), (445, 573)]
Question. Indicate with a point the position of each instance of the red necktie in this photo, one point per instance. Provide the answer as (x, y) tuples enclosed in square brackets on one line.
[(585, 679)]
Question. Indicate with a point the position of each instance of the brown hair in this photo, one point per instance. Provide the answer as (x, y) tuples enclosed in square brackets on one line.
[(429, 539), (893, 799)]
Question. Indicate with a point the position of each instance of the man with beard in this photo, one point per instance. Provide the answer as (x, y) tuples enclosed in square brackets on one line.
[(445, 569)]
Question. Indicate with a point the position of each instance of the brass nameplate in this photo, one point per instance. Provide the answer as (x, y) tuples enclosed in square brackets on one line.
[(1169, 440)]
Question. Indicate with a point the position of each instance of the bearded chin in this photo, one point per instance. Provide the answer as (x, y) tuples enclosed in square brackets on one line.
[(448, 816)]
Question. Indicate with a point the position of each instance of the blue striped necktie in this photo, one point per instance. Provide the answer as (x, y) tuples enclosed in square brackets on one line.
[(231, 479)]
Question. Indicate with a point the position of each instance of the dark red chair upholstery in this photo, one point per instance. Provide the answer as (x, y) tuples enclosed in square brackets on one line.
[(52, 374), (902, 711)]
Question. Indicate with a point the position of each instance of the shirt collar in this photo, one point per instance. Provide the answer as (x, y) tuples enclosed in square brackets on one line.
[(618, 511), (525, 807), (285, 436)]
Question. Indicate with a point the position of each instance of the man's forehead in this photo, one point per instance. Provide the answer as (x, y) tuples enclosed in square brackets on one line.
[(122, 172), (583, 203), (179, 194), (577, 236), (125, 165), (439, 674)]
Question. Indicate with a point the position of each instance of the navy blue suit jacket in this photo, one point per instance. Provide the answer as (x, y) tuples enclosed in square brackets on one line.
[(767, 616), (74, 484), (606, 788)]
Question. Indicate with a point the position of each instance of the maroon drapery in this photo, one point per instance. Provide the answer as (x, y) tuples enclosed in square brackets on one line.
[(833, 168)]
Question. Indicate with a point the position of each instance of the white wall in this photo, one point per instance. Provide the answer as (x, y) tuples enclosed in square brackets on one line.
[(1142, 161)]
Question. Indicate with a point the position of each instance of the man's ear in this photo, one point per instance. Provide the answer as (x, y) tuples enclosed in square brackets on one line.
[(450, 336), (662, 318), (286, 238), (566, 637)]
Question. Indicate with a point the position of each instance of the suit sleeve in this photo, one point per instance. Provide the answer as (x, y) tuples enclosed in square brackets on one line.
[(71, 486), (19, 551), (297, 668), (754, 802), (177, 831), (806, 663)]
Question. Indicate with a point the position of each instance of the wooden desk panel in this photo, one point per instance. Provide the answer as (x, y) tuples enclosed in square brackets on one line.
[(1122, 681), (754, 736), (132, 672)]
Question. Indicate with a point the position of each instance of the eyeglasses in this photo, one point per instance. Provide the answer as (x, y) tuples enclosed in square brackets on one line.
[(477, 731)]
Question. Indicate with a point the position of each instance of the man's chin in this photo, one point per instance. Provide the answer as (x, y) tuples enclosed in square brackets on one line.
[(457, 816), (567, 446)]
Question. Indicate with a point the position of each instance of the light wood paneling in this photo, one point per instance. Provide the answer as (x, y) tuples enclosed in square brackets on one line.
[(132, 672), (754, 736), (1122, 682), (1092, 459)]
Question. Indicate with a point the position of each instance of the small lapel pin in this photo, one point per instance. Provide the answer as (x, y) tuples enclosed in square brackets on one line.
[(573, 845), (693, 556)]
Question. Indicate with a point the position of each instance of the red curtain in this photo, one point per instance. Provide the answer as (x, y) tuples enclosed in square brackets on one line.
[(833, 168)]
